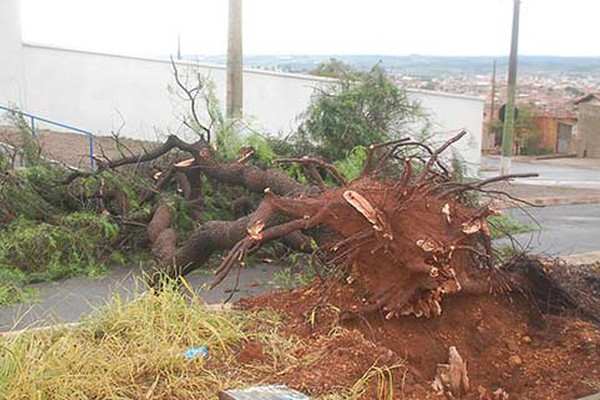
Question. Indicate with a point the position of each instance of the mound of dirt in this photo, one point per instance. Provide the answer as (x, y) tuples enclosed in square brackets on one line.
[(506, 342)]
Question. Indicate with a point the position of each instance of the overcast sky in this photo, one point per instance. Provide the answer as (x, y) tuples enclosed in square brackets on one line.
[(386, 27)]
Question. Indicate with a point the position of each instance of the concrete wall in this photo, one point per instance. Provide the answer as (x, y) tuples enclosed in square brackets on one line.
[(11, 54), (449, 113), (101, 91), (588, 128)]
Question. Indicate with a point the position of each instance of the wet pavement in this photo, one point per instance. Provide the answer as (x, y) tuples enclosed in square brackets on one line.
[(550, 174), (564, 230), (70, 299)]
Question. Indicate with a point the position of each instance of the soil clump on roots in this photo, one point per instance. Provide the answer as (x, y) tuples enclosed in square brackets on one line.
[(510, 347)]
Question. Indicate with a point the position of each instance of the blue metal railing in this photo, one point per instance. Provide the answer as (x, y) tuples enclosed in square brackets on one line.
[(32, 118)]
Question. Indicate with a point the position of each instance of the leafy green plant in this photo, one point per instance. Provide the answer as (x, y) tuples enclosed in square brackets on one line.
[(29, 149), (229, 142), (30, 192), (77, 245), (351, 166), (503, 225), (360, 110), (11, 287), (334, 68)]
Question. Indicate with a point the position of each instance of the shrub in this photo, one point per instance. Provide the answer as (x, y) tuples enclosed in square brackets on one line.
[(77, 244), (363, 109)]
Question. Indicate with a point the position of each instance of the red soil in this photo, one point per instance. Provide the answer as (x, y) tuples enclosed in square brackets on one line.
[(505, 341)]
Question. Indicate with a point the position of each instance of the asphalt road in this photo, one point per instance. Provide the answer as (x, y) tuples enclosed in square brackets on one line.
[(564, 230), (70, 299)]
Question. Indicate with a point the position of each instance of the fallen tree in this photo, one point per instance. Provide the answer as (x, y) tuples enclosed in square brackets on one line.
[(404, 228)]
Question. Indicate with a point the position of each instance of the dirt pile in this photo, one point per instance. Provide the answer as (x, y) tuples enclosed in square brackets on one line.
[(508, 345)]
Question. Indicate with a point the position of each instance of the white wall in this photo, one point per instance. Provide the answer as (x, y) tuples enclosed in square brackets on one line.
[(97, 91), (11, 54), (452, 112)]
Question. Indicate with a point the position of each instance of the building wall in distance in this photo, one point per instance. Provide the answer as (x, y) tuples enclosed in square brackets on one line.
[(588, 129)]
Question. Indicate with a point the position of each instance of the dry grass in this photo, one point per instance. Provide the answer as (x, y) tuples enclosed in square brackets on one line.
[(135, 351)]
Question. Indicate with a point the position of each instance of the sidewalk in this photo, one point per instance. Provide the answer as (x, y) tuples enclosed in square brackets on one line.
[(543, 195)]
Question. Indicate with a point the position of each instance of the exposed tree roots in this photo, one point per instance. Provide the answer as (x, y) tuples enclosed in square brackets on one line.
[(404, 231)]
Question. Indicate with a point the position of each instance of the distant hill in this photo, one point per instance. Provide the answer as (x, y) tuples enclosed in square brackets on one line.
[(425, 66)]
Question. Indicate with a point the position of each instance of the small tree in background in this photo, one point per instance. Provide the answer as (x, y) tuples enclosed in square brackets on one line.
[(364, 108), (335, 68)]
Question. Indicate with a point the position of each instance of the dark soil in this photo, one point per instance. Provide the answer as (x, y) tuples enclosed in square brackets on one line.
[(505, 341), (73, 149)]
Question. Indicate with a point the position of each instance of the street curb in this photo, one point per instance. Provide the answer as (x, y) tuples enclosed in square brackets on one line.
[(549, 201), (220, 307), (10, 334)]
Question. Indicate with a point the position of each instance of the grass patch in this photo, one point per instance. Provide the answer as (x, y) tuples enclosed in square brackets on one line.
[(136, 350), (502, 226)]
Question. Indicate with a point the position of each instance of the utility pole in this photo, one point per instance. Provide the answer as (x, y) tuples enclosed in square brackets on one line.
[(178, 46), (235, 93), (509, 115), (493, 100)]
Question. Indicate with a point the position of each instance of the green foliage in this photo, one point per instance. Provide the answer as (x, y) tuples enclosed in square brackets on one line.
[(30, 192), (528, 134), (29, 149), (50, 231), (527, 120), (361, 110), (334, 68), (128, 181), (11, 287), (74, 246), (4, 162), (31, 251), (229, 143), (181, 213), (295, 172), (290, 277), (502, 225), (505, 253), (351, 166), (495, 129), (458, 167)]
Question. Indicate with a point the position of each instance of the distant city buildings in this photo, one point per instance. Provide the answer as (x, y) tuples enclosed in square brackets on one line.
[(562, 121)]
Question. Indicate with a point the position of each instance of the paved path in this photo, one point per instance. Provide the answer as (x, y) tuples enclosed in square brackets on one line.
[(565, 230), (551, 174), (69, 300)]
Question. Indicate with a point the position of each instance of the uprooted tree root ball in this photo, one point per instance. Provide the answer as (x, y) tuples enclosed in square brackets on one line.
[(509, 345), (407, 241)]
